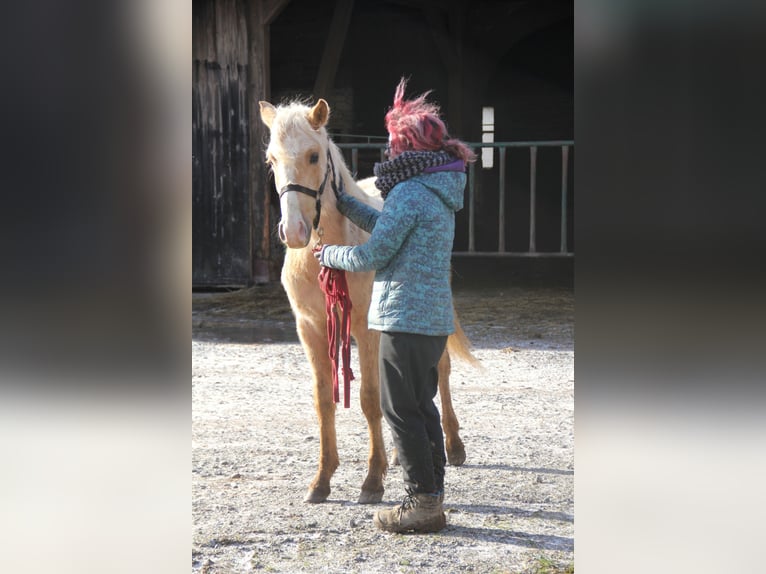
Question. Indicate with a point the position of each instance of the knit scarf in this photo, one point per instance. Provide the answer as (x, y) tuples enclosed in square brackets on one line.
[(406, 165)]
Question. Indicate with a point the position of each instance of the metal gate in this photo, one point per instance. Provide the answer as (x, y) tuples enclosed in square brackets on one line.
[(511, 210)]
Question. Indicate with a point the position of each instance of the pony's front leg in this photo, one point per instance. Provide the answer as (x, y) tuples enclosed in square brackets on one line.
[(369, 394), (452, 442), (315, 346)]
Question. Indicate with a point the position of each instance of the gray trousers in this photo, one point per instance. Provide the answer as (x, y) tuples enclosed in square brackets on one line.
[(408, 384)]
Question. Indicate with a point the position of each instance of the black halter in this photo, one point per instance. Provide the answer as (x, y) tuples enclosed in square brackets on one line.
[(316, 193)]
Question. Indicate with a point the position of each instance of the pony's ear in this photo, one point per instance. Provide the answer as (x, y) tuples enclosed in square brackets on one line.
[(267, 113), (319, 113)]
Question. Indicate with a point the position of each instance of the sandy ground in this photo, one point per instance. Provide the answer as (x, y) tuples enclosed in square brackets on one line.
[(510, 507)]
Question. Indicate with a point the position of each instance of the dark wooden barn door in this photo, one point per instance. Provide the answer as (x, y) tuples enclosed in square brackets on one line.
[(220, 145)]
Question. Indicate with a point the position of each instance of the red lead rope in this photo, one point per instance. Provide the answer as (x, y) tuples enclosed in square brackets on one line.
[(333, 283)]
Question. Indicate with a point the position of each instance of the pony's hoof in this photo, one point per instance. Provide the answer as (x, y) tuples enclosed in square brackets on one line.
[(370, 497), (395, 458), (456, 456), (316, 495)]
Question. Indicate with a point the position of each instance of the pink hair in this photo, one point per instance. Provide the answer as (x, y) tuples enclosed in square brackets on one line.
[(416, 125)]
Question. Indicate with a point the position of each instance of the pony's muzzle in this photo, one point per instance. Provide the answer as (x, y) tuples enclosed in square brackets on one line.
[(295, 236)]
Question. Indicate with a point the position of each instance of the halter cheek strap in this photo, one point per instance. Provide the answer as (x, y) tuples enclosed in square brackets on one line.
[(315, 193), (307, 191)]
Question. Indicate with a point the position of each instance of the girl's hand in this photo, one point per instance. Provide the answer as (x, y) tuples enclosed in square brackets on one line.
[(317, 252)]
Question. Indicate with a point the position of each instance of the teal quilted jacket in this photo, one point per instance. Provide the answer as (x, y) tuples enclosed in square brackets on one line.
[(410, 246)]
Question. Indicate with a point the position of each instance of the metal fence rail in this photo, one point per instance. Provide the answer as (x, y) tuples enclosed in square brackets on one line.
[(533, 147)]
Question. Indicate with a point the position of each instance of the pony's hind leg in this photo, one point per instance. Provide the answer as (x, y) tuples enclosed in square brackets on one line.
[(315, 347), (369, 394), (452, 442)]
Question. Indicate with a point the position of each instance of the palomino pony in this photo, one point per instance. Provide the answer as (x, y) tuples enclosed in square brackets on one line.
[(306, 166)]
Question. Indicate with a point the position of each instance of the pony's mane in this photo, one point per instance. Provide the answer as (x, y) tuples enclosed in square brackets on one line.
[(364, 193)]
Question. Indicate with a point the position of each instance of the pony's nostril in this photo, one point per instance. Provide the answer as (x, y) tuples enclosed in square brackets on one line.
[(281, 231)]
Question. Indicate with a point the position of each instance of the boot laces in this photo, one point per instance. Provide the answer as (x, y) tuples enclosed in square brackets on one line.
[(410, 501)]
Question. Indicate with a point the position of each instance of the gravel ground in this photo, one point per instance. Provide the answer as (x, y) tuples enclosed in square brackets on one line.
[(510, 507)]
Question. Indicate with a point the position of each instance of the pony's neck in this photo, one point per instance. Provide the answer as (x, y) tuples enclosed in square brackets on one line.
[(333, 224), (349, 183)]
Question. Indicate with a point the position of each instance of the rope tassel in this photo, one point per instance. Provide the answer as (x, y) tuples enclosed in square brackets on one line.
[(335, 287)]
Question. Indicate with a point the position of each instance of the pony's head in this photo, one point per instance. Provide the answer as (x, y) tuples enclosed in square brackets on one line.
[(298, 156)]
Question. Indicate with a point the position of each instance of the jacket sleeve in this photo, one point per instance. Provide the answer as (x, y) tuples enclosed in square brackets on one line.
[(360, 214), (399, 215)]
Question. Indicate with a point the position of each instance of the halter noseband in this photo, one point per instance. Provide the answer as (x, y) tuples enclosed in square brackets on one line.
[(316, 193)]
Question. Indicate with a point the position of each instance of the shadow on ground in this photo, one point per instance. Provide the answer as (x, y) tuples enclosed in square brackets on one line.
[(523, 301)]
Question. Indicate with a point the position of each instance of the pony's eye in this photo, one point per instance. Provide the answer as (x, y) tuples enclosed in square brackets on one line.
[(314, 157)]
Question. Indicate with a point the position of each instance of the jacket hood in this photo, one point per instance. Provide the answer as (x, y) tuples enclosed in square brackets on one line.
[(447, 185)]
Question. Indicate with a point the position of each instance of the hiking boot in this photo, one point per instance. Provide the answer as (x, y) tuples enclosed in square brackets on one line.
[(419, 512)]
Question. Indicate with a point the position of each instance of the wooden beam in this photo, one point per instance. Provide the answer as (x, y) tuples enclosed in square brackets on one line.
[(458, 15), (271, 9), (448, 37), (328, 67), (440, 33), (258, 183)]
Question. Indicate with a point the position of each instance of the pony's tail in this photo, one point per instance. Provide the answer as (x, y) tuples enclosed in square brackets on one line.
[(459, 346)]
